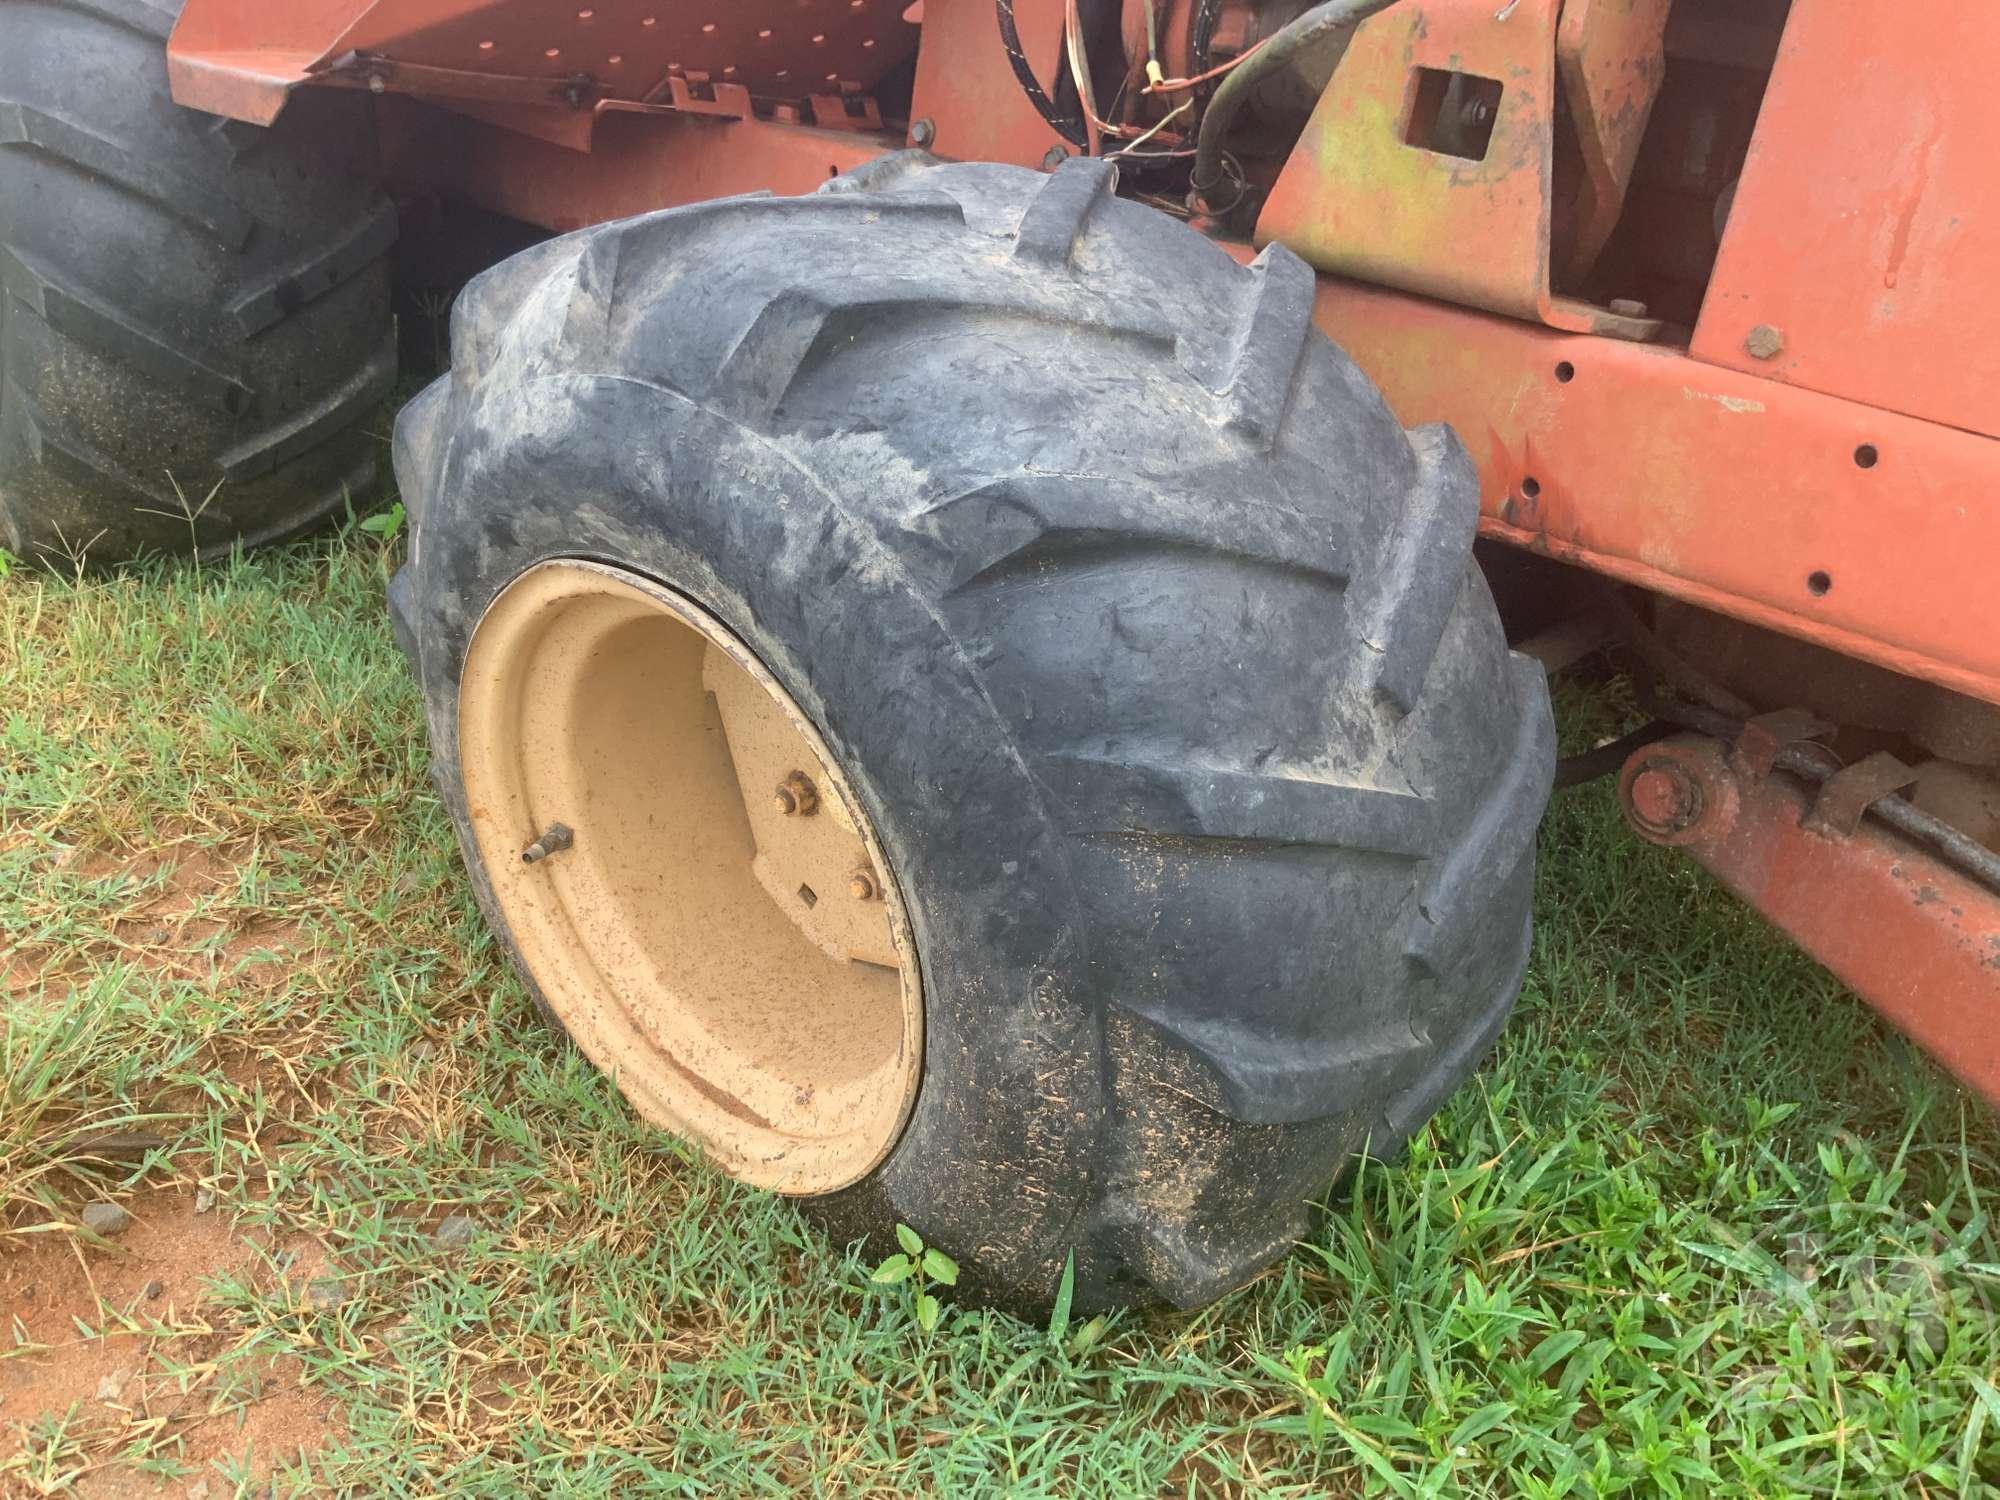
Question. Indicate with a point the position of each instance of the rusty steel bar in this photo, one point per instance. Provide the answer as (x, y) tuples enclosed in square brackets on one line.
[(1916, 939)]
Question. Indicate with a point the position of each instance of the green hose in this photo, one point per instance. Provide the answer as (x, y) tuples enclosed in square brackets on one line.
[(1316, 25)]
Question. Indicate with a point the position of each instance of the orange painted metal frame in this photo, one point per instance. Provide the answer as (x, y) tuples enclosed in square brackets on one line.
[(1722, 487), (966, 89), (243, 58), (1739, 494), (1866, 227), (637, 162), (1844, 522), (1892, 922)]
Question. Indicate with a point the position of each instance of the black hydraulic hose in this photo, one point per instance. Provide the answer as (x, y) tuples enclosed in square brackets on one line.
[(1955, 848), (1316, 25), (1201, 39), (1609, 760), (1069, 129)]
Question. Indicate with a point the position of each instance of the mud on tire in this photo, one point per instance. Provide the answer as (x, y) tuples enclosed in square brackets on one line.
[(1149, 638), (194, 313)]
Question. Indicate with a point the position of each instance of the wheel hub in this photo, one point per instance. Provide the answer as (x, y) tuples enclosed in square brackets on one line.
[(688, 876)]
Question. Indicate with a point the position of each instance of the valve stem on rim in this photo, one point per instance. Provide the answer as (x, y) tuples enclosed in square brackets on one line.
[(558, 838)]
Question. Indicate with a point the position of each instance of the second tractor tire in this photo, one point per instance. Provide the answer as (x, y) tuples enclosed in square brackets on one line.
[(1149, 640), (195, 325)]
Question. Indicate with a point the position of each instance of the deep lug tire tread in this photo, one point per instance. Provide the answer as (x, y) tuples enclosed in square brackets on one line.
[(188, 302), (1276, 927)]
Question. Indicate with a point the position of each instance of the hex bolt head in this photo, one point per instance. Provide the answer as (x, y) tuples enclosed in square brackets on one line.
[(1628, 307), (862, 884), (796, 794), (1054, 157), (1765, 342), (377, 84), (922, 133), (1664, 798)]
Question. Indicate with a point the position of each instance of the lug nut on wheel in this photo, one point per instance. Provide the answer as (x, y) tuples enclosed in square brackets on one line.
[(796, 794), (862, 884)]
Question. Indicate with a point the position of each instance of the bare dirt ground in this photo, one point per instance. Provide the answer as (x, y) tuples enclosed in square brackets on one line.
[(109, 1379), (118, 1344)]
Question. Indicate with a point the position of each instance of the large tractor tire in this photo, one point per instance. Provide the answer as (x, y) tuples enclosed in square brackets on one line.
[(195, 328), (975, 712)]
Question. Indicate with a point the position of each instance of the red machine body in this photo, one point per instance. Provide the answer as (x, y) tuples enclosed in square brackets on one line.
[(1705, 288)]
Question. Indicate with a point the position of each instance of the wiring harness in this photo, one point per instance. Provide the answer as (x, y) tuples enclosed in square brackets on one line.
[(1196, 126)]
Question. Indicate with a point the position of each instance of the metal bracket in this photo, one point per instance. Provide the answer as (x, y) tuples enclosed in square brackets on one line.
[(386, 75), (1903, 929), (1845, 797), (1762, 738), (846, 112), (1612, 55), (1375, 192), (701, 96)]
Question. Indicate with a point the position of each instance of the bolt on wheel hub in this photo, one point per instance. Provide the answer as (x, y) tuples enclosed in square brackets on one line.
[(688, 876)]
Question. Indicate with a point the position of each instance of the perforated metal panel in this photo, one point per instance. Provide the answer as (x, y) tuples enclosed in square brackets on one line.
[(784, 49)]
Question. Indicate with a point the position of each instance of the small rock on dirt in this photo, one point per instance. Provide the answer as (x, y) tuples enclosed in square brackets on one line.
[(204, 1200), (106, 1219), (455, 1233), (112, 1385), (155, 1290), (325, 1296), (423, 1051), (198, 1490)]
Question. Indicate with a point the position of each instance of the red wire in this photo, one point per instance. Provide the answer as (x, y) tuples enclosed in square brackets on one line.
[(1175, 85)]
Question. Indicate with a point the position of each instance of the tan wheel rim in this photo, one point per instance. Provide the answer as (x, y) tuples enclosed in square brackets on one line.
[(688, 876)]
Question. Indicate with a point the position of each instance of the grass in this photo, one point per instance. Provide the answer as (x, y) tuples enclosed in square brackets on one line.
[(1700, 1227)]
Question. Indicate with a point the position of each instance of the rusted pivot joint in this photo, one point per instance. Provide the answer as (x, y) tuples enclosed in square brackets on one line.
[(1906, 931)]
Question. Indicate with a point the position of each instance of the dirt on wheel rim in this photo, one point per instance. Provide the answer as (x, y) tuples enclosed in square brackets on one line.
[(689, 877)]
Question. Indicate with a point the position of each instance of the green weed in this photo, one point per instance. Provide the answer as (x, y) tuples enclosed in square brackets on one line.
[(918, 1267)]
